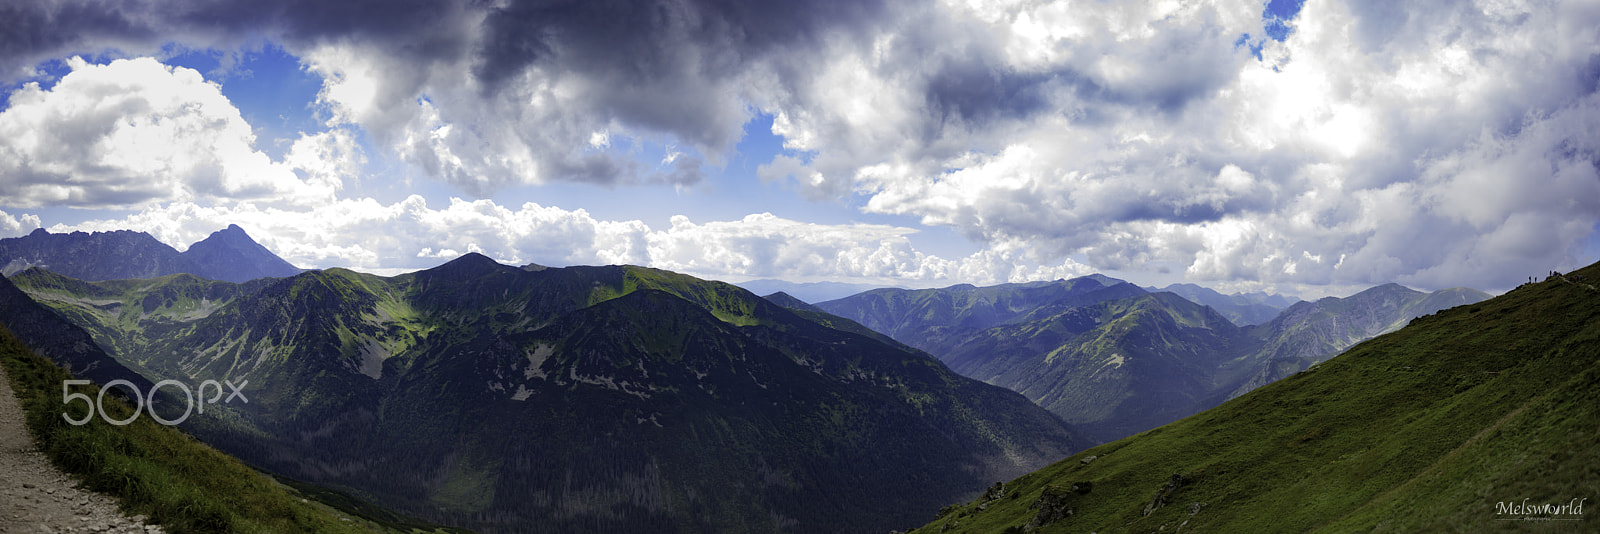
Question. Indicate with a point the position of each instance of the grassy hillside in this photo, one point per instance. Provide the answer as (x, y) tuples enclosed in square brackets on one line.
[(1114, 360), (159, 471), (1309, 332), (1426, 429)]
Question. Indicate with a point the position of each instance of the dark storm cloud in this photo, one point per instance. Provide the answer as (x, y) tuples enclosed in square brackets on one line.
[(976, 92), (674, 71), (669, 66), (651, 62), (31, 32), (644, 40), (678, 69)]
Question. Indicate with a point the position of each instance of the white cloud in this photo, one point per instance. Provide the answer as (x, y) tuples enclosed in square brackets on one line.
[(366, 235), (1432, 143), (16, 225), (763, 245), (135, 132), (1454, 149), (537, 126)]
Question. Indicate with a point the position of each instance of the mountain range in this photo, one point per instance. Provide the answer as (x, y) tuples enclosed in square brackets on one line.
[(228, 255), (1113, 359), (805, 291), (936, 320), (627, 398), (1475, 418), (1242, 309), (568, 399)]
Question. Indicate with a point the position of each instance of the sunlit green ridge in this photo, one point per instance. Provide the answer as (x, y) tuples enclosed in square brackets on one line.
[(1425, 429)]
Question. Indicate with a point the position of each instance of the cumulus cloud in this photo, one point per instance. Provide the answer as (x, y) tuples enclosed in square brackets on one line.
[(1432, 143), (133, 132), (1439, 145), (387, 239), (16, 225)]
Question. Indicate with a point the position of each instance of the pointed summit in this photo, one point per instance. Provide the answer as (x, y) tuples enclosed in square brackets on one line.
[(789, 301), (468, 266), (470, 260), (231, 255)]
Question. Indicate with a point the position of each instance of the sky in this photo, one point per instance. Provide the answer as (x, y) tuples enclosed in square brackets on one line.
[(1311, 148)]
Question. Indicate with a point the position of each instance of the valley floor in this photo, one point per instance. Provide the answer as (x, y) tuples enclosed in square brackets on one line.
[(37, 497)]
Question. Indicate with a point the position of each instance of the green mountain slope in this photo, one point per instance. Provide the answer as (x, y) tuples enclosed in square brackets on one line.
[(1435, 427), (159, 471), (573, 399), (1112, 368), (60, 340)]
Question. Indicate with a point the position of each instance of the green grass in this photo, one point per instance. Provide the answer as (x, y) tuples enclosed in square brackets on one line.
[(727, 302), (158, 471), (1422, 430)]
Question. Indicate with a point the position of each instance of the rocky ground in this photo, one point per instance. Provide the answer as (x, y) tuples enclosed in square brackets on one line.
[(36, 497)]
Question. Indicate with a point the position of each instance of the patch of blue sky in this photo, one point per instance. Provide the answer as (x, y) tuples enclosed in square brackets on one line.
[(273, 92), (1591, 248), (727, 193), (1276, 19), (45, 74), (52, 216), (276, 95), (1278, 15)]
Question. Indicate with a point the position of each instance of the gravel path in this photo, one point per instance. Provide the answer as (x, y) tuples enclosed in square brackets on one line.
[(36, 497)]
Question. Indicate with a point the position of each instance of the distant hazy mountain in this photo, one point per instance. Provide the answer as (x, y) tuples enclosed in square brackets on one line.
[(936, 320), (1114, 360), (816, 315), (1309, 332), (1433, 428), (1111, 368), (228, 255), (811, 292), (788, 301), (231, 256), (618, 399), (1243, 309), (97, 256)]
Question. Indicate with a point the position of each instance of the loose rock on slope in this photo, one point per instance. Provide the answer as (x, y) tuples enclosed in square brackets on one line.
[(36, 497)]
